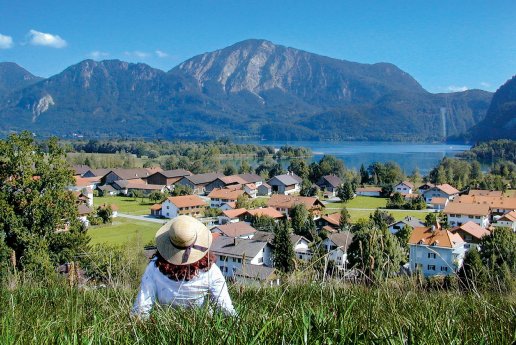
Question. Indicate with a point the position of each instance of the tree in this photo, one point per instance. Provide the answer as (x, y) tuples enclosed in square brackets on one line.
[(299, 216), (156, 196), (381, 219), (263, 223), (498, 248), (283, 251), (396, 201), (345, 219), (307, 188), (415, 177), (180, 189), (243, 201), (35, 203), (364, 176), (431, 219), (345, 192), (229, 169), (105, 212), (299, 167), (245, 168), (403, 236)]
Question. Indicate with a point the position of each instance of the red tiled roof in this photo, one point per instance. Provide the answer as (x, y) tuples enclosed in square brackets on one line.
[(467, 209), (369, 189), (85, 181), (333, 218), (234, 213), (236, 229), (186, 201), (156, 207), (446, 188), (266, 211), (225, 193), (438, 237), (288, 201), (471, 228)]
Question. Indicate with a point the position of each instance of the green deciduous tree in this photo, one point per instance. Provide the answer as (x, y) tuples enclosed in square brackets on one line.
[(35, 206), (345, 192)]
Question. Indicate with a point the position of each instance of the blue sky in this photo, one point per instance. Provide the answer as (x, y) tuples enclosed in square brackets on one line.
[(446, 45)]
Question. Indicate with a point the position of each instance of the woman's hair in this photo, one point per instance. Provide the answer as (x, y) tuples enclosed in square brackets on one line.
[(184, 272)]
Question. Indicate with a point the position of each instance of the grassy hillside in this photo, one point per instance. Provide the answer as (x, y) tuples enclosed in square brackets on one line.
[(399, 313)]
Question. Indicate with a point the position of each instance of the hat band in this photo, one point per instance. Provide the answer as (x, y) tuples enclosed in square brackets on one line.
[(188, 249)]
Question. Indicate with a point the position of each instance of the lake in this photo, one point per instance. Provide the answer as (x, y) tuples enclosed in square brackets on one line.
[(354, 153)]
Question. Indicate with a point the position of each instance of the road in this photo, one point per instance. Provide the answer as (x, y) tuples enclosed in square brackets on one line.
[(145, 218)]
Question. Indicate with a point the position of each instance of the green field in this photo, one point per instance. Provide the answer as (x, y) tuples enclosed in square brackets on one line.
[(125, 204), (368, 204), (123, 230)]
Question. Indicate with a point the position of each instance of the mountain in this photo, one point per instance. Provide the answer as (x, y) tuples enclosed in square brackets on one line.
[(14, 77), (252, 88), (500, 120)]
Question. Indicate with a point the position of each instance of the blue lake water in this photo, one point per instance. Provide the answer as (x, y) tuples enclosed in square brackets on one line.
[(354, 153)]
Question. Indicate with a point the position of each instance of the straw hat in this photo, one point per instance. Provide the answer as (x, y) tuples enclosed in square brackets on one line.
[(183, 240)]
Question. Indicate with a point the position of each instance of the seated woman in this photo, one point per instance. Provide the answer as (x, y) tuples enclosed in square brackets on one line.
[(183, 272)]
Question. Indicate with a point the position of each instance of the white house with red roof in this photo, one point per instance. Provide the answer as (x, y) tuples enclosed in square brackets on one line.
[(191, 205), (460, 213), (471, 233), (404, 187), (440, 191), (435, 251), (507, 220)]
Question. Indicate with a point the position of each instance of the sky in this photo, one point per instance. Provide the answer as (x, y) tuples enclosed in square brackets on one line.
[(446, 45)]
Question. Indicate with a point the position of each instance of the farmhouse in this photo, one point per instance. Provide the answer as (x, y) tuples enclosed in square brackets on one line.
[(284, 203), (435, 251), (337, 244), (125, 174), (459, 213), (299, 243), (413, 222), (198, 182), (329, 184), (191, 205), (232, 216), (471, 233), (238, 229), (220, 196), (404, 187), (369, 191), (286, 184), (330, 222), (507, 220), (167, 177), (440, 191)]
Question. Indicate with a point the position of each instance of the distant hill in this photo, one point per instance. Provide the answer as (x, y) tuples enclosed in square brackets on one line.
[(14, 77), (500, 121), (252, 88)]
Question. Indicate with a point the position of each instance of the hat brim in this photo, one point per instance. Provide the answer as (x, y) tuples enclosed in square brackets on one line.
[(173, 254)]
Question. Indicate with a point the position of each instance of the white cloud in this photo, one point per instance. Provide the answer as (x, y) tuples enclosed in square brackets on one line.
[(485, 84), (44, 39), (454, 88), (6, 42), (137, 53), (161, 54), (98, 54)]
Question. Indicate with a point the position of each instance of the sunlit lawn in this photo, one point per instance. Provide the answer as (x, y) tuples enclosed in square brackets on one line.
[(397, 214), (360, 202), (125, 204), (123, 230)]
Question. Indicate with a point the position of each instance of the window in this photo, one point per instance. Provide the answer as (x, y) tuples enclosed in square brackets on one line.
[(431, 267), (239, 260), (470, 217), (222, 268), (444, 269), (260, 259), (431, 255), (168, 207)]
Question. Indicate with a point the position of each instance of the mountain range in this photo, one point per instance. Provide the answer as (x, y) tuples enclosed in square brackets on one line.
[(253, 88)]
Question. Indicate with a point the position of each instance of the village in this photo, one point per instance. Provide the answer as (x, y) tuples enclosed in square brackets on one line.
[(230, 205)]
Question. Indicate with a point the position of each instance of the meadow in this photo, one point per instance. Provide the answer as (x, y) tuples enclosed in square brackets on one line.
[(397, 312), (123, 230)]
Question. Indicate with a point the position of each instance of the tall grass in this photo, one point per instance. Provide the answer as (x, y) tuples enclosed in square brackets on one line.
[(297, 313)]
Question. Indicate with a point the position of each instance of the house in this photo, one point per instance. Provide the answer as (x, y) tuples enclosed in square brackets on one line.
[(404, 187), (155, 210), (84, 211), (256, 275), (460, 213), (86, 182), (228, 206), (96, 173), (329, 222), (191, 205), (220, 196), (438, 203), (424, 187), (251, 178), (235, 254), (198, 182), (329, 184), (435, 251), (369, 191), (413, 222), (232, 216), (440, 191), (80, 169), (264, 189), (508, 220), (107, 190), (499, 205), (285, 184), (471, 233), (284, 203), (238, 229), (263, 212), (251, 189), (127, 186), (336, 245), (167, 177), (225, 181), (125, 174), (299, 243)]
